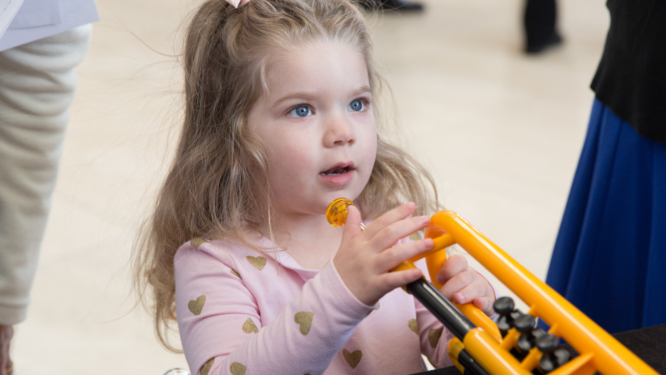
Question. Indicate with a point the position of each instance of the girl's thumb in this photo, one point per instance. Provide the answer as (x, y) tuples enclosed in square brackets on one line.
[(353, 223)]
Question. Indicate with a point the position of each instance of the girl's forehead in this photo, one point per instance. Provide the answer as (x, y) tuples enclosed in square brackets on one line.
[(322, 66)]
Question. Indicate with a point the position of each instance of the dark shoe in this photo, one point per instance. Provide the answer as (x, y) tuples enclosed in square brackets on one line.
[(537, 47)]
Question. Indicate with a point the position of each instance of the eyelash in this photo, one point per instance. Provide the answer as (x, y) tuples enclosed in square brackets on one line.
[(365, 101)]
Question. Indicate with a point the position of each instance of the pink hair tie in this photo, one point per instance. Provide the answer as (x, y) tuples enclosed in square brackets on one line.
[(238, 3)]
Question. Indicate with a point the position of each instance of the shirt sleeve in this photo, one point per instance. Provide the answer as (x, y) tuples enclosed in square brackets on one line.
[(220, 324), (433, 336)]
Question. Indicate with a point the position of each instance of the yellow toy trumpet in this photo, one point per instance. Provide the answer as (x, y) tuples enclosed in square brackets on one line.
[(513, 346)]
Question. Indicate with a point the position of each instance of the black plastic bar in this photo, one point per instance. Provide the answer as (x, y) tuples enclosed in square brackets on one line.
[(471, 366), (441, 308)]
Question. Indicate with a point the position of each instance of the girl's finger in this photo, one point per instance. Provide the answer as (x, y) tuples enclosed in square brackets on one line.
[(456, 284), (399, 213), (392, 257), (397, 279), (485, 304), (394, 232), (454, 265), (469, 293), (352, 226)]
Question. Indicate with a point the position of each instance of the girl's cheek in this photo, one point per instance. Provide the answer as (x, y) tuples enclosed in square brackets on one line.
[(291, 157)]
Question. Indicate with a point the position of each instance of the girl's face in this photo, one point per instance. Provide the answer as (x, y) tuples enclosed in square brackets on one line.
[(317, 124)]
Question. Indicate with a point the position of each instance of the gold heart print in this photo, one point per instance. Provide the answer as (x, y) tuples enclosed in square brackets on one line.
[(434, 335), (205, 369), (304, 320), (196, 306), (249, 326), (352, 358), (415, 236), (237, 369), (235, 273), (196, 242), (257, 262), (413, 325)]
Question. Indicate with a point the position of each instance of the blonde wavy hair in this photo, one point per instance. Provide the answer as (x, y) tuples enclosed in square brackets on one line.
[(208, 190)]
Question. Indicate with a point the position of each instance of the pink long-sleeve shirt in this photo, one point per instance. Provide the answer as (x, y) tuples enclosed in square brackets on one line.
[(245, 312)]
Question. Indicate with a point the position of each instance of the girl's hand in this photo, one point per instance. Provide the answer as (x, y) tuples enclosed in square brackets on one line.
[(365, 258), (463, 284), (6, 333)]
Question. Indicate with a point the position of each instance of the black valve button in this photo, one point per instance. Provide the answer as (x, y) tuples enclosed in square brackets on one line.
[(547, 343), (528, 334), (524, 323), (504, 305), (554, 355)]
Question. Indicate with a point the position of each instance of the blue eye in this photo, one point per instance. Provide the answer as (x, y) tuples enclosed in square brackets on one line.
[(356, 106), (300, 111)]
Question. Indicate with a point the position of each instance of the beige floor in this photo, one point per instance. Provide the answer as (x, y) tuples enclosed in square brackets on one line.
[(500, 131)]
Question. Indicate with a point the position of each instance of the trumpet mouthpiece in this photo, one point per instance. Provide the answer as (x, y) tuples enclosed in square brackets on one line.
[(336, 213)]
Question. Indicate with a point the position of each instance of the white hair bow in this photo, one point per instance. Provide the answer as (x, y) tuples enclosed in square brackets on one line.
[(238, 3)]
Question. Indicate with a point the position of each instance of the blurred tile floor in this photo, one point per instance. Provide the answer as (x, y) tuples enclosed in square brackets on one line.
[(500, 131)]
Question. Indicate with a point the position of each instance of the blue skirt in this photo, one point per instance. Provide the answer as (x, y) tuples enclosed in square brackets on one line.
[(609, 259)]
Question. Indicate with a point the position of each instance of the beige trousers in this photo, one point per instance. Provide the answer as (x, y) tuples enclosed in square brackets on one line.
[(37, 83)]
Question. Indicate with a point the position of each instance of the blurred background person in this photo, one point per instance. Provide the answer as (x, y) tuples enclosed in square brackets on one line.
[(43, 44), (396, 5), (610, 254)]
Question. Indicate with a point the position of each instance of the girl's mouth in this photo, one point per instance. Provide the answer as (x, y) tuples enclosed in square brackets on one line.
[(340, 168), (339, 174), (336, 171)]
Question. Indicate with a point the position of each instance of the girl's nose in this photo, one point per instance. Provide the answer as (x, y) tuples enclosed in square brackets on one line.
[(339, 133)]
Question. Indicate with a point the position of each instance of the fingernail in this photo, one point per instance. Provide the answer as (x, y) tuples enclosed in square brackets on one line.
[(429, 243)]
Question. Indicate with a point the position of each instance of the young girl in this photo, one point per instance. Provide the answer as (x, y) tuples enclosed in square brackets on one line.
[(279, 122)]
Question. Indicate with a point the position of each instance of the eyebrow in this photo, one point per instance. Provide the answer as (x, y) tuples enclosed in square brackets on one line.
[(310, 96)]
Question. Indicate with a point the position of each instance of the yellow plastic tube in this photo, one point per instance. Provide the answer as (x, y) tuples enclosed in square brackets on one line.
[(607, 355)]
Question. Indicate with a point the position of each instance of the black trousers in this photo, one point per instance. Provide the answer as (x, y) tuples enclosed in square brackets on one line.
[(539, 21)]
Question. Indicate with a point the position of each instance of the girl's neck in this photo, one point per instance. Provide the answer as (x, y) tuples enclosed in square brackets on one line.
[(309, 239)]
